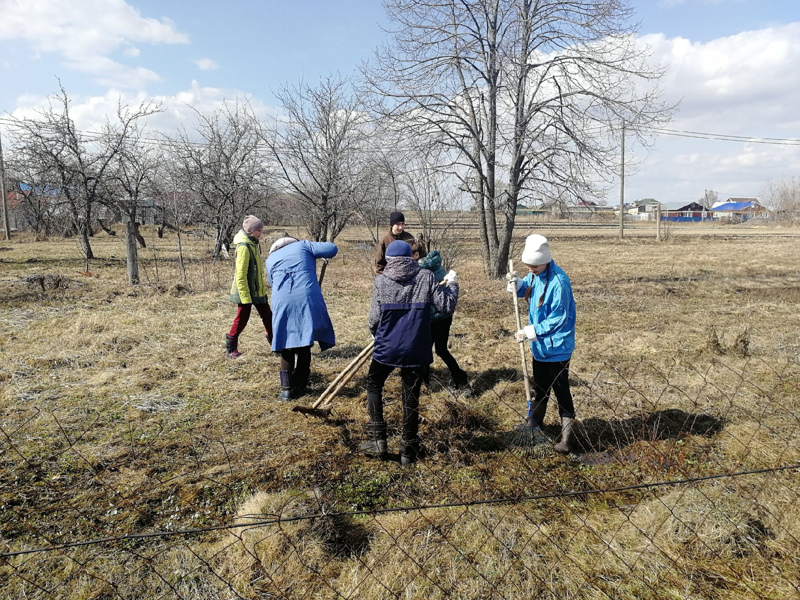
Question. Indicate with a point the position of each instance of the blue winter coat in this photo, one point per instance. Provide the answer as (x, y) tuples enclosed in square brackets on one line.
[(554, 320), (399, 314), (433, 262), (299, 314)]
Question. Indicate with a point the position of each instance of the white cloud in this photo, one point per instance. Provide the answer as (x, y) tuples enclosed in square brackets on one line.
[(206, 64), (745, 84), (180, 109), (84, 33)]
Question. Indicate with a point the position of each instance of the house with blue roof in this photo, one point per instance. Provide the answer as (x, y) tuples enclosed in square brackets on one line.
[(740, 209)]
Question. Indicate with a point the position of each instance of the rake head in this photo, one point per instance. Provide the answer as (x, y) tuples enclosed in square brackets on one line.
[(530, 440)]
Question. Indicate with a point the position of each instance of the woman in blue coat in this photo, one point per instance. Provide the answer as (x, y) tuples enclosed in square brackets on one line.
[(299, 314), (551, 333)]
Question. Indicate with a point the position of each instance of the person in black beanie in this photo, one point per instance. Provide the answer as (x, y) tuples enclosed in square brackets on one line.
[(397, 224)]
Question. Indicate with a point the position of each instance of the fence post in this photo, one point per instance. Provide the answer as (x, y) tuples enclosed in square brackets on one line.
[(6, 224), (658, 222)]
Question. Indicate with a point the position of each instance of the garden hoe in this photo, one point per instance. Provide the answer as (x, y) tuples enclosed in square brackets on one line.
[(528, 436)]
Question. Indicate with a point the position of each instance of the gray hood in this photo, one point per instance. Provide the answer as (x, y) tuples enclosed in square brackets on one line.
[(400, 268)]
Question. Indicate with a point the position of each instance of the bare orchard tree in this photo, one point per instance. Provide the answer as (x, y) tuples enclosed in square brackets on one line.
[(130, 183), (783, 196), (38, 202), (77, 163), (221, 162), (530, 93), (320, 147)]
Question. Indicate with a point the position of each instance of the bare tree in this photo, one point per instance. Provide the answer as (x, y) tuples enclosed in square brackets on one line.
[(130, 181), (709, 198), (382, 177), (533, 90), (783, 196), (37, 202), (435, 196), (223, 165), (321, 151), (76, 163)]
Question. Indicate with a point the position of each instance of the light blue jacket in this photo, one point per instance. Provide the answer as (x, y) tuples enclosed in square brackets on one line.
[(299, 314), (554, 320)]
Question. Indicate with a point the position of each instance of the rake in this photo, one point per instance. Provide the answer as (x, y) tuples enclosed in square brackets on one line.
[(528, 437), (322, 405)]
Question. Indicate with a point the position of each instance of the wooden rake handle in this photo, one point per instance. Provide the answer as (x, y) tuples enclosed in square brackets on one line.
[(521, 345), (343, 378)]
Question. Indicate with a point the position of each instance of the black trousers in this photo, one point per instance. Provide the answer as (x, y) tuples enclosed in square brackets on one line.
[(440, 332), (551, 376), (412, 381), (296, 359)]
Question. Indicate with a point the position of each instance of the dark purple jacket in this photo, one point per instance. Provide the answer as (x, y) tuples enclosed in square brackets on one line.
[(399, 316)]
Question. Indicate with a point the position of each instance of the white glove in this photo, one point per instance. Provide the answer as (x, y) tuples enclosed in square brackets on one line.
[(451, 277), (514, 284), (527, 332)]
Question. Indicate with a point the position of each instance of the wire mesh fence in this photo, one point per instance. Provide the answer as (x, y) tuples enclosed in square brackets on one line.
[(683, 483)]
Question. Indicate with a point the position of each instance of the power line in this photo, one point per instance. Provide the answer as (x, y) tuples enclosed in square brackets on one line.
[(728, 138), (406, 509)]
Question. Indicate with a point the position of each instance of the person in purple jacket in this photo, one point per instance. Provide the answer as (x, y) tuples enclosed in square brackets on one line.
[(400, 321), (299, 314)]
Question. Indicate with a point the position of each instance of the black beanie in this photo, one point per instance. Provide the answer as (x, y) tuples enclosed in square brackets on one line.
[(396, 217)]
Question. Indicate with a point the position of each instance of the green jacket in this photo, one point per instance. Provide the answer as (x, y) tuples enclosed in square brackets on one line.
[(248, 281)]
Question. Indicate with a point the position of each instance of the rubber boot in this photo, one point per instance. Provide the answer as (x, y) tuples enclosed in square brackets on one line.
[(409, 452), (286, 386), (567, 436), (232, 346), (300, 382), (376, 440)]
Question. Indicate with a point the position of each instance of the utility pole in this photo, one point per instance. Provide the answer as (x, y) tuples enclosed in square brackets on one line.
[(622, 187), (3, 192)]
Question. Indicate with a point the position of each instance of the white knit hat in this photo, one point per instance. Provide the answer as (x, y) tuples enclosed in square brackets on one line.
[(536, 251), (282, 242)]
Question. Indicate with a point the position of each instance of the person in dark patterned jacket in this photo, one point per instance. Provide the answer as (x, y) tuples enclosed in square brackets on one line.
[(399, 318)]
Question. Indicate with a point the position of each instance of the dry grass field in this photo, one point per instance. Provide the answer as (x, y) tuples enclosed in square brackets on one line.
[(120, 414)]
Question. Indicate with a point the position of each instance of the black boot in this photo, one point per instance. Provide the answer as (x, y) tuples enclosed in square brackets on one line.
[(300, 382), (409, 452), (460, 378), (376, 440), (232, 346), (286, 386)]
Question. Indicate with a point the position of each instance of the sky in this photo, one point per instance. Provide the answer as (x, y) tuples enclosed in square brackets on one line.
[(731, 64)]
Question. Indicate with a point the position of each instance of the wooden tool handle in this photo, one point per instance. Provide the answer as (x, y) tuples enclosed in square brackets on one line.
[(521, 346), (354, 365)]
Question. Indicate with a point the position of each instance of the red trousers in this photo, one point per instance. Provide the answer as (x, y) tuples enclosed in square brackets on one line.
[(243, 315)]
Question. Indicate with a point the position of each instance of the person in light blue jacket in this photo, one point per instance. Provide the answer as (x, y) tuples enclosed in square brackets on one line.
[(550, 332), (299, 314)]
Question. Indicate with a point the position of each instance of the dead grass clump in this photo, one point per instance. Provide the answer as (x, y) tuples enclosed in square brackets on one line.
[(294, 558), (179, 289), (741, 345), (713, 341), (48, 281)]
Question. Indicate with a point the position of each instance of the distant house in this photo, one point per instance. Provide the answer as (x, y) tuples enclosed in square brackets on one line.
[(692, 212), (741, 209)]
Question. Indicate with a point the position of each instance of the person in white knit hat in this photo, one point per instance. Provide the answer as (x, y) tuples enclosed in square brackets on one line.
[(551, 334)]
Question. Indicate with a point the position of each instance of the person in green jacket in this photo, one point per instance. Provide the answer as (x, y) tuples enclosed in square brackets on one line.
[(248, 287)]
